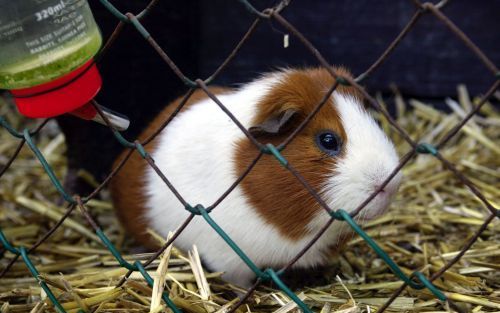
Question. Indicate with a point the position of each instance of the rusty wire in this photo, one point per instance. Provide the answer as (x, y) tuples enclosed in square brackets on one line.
[(273, 13)]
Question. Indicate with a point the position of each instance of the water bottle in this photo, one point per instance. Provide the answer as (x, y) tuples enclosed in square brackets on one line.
[(46, 58)]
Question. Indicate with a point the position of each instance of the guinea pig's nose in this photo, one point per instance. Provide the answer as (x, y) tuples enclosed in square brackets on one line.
[(382, 192), (377, 187)]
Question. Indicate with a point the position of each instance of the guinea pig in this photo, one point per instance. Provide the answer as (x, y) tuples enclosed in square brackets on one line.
[(342, 153)]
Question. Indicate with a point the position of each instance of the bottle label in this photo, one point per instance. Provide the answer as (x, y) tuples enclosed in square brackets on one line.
[(35, 33)]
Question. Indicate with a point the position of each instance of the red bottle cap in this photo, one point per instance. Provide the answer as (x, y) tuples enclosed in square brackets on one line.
[(65, 94)]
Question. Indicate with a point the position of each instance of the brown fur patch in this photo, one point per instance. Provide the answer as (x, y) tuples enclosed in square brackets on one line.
[(275, 193), (127, 187)]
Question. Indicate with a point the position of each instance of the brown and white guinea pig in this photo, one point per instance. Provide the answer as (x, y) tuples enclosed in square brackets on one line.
[(342, 153)]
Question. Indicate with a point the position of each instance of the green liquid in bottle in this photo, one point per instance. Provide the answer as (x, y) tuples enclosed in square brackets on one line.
[(46, 40)]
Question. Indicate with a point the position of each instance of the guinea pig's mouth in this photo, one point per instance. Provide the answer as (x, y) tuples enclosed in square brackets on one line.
[(376, 207)]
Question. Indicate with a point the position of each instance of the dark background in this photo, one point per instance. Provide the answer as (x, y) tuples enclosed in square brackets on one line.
[(198, 36)]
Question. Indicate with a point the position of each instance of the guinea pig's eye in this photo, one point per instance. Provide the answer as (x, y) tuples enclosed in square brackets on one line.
[(329, 142)]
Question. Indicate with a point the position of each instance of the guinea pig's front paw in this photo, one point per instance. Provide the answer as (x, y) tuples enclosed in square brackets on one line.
[(298, 278)]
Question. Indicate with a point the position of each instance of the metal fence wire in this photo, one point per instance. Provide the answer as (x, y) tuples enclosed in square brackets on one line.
[(417, 280)]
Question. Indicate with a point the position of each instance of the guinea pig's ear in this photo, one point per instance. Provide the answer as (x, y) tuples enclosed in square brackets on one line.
[(276, 124)]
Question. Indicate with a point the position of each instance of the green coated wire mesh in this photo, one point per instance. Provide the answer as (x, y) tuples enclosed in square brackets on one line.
[(417, 280)]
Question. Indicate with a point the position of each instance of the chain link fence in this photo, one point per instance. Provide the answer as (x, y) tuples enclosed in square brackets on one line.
[(417, 280)]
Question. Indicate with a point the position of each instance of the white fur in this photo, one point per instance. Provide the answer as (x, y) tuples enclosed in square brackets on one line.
[(195, 153), (370, 158)]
